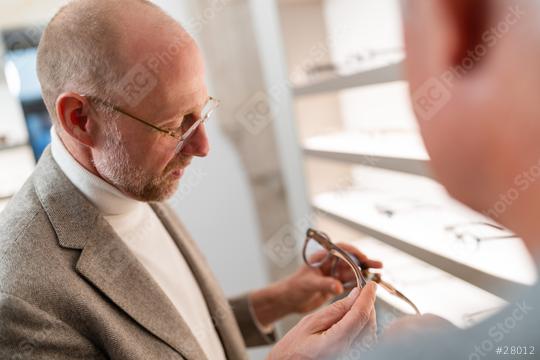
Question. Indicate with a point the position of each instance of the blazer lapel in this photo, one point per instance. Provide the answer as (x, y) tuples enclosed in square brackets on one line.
[(219, 308), (106, 262)]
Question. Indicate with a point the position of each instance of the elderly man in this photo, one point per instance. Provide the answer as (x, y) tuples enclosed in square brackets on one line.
[(92, 264)]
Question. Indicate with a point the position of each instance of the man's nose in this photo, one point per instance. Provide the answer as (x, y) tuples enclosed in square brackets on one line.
[(197, 144)]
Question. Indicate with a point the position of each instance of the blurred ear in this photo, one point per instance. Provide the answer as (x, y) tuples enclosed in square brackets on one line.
[(439, 34), (469, 18)]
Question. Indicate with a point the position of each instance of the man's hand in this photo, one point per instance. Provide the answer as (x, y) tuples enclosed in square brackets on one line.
[(347, 325), (305, 290)]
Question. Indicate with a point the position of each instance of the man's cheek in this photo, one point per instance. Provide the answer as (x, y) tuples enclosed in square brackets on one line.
[(157, 157)]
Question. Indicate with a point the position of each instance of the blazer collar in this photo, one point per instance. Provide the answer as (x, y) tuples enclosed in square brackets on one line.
[(106, 262)]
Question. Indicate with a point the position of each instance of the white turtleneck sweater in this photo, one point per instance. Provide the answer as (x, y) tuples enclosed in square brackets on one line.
[(141, 230)]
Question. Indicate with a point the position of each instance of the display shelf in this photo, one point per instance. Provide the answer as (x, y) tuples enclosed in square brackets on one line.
[(397, 152), (421, 233), (336, 82)]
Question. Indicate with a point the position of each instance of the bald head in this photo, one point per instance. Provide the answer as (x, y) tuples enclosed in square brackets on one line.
[(102, 65), (89, 45)]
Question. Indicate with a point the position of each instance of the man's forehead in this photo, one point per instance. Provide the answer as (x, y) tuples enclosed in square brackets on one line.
[(162, 64), (182, 85), (152, 35)]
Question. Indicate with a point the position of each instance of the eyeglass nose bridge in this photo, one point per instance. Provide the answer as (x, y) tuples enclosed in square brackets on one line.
[(214, 105), (324, 240), (189, 134)]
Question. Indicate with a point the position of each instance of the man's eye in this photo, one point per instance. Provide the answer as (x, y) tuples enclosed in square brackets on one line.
[(188, 122)]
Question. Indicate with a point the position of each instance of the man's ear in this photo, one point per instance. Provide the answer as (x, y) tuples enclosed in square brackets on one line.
[(440, 33), (470, 20), (73, 116)]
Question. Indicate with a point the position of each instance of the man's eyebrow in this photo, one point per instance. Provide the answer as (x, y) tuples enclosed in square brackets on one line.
[(196, 107), (175, 119)]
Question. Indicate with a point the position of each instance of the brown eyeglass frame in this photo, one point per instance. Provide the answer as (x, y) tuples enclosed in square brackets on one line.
[(334, 250), (361, 273)]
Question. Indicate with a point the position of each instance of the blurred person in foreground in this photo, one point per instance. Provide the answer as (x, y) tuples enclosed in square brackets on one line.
[(474, 75), (474, 80), (93, 263)]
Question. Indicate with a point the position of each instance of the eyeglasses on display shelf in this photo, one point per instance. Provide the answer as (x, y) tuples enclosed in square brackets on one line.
[(358, 59), (472, 234)]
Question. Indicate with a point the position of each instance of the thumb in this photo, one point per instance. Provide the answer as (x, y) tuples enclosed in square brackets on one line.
[(354, 321), (323, 319)]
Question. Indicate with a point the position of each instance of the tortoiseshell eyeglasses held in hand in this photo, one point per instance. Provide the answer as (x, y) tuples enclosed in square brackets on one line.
[(319, 251)]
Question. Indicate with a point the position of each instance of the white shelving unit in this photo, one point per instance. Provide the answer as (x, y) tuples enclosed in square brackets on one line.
[(401, 152), (421, 233), (355, 121), (337, 82)]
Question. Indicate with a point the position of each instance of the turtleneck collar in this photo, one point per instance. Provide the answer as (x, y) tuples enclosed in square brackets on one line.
[(108, 199)]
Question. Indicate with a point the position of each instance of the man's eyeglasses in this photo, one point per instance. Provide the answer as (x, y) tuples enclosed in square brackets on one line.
[(190, 123), (319, 251), (472, 234)]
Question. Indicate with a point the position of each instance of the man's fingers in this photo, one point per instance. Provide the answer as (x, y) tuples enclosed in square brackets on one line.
[(326, 284), (354, 321), (331, 285), (318, 256), (360, 255), (375, 264), (328, 316)]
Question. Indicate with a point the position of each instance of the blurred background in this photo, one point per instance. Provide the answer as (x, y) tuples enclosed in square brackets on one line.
[(315, 130)]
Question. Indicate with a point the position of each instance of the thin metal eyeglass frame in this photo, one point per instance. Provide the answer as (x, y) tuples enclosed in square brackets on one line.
[(460, 235), (182, 139)]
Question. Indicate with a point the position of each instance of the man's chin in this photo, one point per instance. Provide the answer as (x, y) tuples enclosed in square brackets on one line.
[(153, 193), (163, 193)]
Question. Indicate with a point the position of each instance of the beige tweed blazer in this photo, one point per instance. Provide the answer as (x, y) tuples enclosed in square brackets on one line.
[(71, 289)]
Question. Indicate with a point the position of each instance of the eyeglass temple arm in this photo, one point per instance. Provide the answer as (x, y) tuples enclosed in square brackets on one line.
[(118, 109), (392, 290), (485, 223), (376, 277)]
